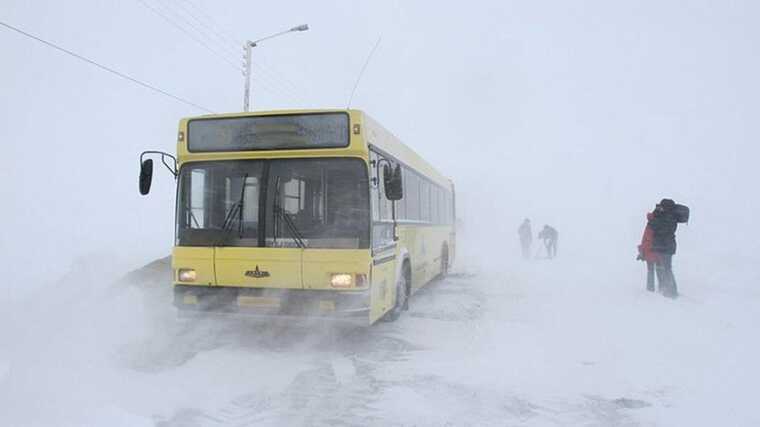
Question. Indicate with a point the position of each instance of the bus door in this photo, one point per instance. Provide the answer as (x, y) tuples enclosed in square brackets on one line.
[(383, 243)]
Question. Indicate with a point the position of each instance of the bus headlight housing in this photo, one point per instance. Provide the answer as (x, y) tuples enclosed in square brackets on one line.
[(348, 280), (342, 280), (186, 275)]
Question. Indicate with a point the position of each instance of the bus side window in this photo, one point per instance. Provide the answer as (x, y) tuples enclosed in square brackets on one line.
[(401, 204), (434, 204), (442, 204), (424, 200), (412, 195), (446, 208)]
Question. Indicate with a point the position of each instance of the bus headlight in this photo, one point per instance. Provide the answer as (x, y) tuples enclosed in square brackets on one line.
[(346, 280), (186, 275), (342, 280)]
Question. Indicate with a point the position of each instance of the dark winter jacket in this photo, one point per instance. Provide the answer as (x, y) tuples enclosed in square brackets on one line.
[(664, 224), (548, 233)]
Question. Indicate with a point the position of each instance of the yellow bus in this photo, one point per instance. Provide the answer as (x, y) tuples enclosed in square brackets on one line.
[(303, 213)]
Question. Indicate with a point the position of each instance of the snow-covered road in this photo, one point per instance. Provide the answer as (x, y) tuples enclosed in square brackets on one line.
[(540, 343)]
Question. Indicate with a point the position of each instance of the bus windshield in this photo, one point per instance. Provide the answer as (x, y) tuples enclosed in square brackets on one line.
[(313, 203)]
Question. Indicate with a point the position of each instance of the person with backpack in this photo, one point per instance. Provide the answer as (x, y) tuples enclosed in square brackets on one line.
[(646, 253), (526, 238), (664, 223), (550, 236)]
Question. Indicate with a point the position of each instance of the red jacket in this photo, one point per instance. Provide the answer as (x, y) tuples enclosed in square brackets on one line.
[(645, 248)]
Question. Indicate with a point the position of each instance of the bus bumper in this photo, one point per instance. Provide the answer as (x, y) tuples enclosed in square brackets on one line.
[(350, 306)]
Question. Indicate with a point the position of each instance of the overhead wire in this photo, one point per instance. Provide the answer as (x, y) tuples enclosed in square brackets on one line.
[(268, 86), (279, 75), (208, 25), (222, 45), (222, 33), (271, 76), (269, 89), (279, 85), (190, 34), (106, 68), (169, 8), (267, 76)]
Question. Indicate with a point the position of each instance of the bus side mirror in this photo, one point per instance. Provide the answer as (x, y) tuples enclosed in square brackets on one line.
[(146, 176), (393, 182)]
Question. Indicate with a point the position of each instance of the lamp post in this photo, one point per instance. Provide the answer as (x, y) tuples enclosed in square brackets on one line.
[(247, 61)]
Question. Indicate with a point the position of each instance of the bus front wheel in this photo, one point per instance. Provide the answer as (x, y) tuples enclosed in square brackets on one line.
[(402, 295)]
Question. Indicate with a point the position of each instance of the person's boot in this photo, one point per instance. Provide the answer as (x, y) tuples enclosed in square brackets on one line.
[(672, 293), (674, 289), (669, 291)]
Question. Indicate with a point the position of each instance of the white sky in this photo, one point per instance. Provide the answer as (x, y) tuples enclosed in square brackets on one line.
[(579, 114)]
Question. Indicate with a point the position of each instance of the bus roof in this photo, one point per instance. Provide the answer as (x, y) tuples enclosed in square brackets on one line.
[(374, 135)]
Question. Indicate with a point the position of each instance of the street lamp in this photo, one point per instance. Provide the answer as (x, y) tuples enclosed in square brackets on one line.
[(247, 58)]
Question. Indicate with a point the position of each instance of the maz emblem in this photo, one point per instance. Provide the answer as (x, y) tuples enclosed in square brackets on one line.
[(256, 273)]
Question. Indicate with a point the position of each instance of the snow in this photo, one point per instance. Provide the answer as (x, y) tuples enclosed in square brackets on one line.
[(538, 343), (4, 368), (581, 116)]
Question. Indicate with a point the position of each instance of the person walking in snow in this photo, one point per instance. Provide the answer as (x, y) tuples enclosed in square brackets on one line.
[(646, 253), (526, 238), (663, 224), (550, 236)]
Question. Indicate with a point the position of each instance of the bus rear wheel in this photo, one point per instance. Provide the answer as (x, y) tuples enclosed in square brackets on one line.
[(444, 262), (402, 296)]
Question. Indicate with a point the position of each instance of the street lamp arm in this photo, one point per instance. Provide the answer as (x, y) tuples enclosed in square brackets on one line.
[(294, 29)]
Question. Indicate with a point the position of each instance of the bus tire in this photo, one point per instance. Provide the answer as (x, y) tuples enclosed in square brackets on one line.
[(403, 288)]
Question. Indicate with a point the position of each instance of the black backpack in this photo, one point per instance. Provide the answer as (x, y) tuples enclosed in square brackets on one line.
[(682, 213)]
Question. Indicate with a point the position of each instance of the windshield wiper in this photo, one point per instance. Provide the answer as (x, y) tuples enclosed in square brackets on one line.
[(235, 212), (191, 219), (297, 236), (280, 213)]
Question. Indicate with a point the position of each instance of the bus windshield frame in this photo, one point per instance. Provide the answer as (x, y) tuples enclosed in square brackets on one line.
[(320, 203)]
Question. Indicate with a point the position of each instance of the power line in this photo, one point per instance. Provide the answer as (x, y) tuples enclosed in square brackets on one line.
[(103, 67), (189, 34), (275, 90), (175, 12), (234, 40), (267, 77), (279, 77), (206, 29), (209, 26)]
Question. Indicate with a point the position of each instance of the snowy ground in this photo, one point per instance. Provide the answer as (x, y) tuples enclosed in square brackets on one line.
[(540, 343)]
